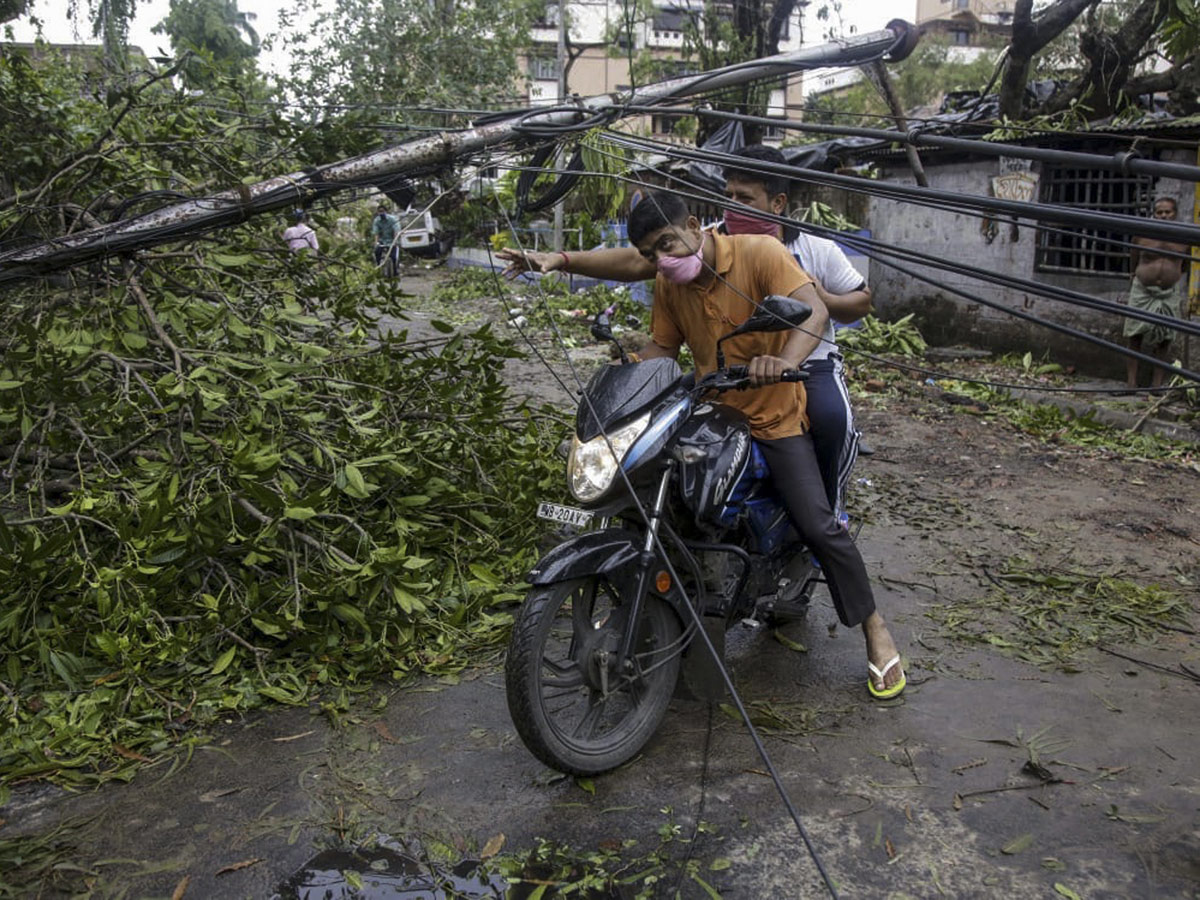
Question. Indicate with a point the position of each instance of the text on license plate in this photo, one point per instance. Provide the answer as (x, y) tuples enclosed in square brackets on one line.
[(568, 515)]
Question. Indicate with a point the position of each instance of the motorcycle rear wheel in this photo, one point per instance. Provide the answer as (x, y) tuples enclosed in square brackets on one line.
[(568, 704)]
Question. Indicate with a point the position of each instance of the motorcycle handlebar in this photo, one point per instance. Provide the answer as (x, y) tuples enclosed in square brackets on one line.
[(736, 377)]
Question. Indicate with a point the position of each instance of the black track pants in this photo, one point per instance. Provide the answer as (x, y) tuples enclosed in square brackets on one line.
[(794, 472)]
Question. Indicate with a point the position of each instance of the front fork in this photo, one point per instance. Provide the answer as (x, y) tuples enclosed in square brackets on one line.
[(645, 562)]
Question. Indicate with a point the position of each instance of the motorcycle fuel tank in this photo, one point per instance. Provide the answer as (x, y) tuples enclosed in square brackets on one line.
[(723, 434), (618, 392)]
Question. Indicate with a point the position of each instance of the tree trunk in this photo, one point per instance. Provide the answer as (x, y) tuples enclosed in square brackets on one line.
[(1111, 56), (1030, 35)]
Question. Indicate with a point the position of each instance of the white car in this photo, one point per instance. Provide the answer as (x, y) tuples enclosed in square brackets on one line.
[(421, 234)]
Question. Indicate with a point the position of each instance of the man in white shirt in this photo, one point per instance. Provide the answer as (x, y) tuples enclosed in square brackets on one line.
[(839, 285), (300, 236)]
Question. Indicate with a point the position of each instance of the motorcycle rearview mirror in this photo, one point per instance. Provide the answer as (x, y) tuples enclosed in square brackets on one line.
[(602, 328), (775, 312), (602, 331)]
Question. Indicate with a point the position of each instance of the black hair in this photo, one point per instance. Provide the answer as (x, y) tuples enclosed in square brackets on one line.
[(1166, 199), (771, 182), (657, 211)]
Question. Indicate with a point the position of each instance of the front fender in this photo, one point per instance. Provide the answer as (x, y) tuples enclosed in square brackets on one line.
[(590, 553)]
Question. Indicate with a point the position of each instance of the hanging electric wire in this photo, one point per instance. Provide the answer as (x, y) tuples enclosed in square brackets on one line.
[(886, 254), (1152, 228)]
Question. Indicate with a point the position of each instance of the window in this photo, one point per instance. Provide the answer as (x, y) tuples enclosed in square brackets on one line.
[(1087, 249), (669, 19), (775, 132), (962, 4), (543, 68), (960, 36)]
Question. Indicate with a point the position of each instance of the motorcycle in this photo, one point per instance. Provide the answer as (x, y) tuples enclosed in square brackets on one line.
[(684, 532)]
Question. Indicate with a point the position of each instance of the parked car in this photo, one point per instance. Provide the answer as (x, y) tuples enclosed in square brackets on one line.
[(421, 235)]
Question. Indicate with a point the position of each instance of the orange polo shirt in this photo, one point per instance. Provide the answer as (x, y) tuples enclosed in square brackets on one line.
[(749, 267)]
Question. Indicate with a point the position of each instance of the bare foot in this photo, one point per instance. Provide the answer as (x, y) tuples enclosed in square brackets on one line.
[(881, 649)]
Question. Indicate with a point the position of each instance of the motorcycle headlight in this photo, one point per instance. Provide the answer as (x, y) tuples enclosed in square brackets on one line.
[(592, 467)]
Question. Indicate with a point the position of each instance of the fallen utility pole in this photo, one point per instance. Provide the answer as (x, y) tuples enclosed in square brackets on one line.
[(193, 217)]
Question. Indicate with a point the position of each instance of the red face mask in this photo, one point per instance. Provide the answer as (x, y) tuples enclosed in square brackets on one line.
[(737, 222)]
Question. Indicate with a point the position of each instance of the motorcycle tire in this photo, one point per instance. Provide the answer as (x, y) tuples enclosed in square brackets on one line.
[(571, 715)]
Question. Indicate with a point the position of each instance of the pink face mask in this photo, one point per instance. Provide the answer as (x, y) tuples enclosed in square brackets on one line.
[(737, 222), (682, 269)]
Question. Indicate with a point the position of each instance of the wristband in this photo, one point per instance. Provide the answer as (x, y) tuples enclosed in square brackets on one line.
[(566, 259)]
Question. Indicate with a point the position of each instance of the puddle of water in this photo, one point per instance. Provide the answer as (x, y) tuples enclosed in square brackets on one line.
[(388, 869)]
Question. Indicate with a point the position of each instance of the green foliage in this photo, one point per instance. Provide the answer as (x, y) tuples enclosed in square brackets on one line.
[(824, 214), (1049, 423), (1181, 31), (1050, 617), (223, 485), (1027, 365), (408, 53), (922, 79), (874, 336), (218, 499), (213, 31), (105, 144)]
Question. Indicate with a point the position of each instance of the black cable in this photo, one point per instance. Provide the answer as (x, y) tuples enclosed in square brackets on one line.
[(1123, 163), (700, 804), (1042, 289), (852, 239), (562, 186), (1152, 228), (871, 247)]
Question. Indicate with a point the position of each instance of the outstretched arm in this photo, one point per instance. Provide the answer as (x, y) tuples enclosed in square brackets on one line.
[(609, 264)]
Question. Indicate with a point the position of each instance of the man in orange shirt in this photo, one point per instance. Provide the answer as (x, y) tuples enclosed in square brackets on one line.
[(706, 285)]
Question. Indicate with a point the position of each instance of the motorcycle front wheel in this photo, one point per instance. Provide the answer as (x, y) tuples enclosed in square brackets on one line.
[(572, 708)]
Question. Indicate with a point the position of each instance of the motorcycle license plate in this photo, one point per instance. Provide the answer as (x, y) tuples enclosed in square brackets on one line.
[(566, 515)]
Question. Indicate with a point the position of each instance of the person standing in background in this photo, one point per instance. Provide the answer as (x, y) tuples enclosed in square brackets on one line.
[(300, 236), (383, 228), (1155, 288)]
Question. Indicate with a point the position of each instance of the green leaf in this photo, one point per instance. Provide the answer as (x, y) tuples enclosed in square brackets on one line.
[(1065, 891), (299, 512), (443, 327), (406, 600), (706, 887), (169, 555), (484, 574), (350, 614), (268, 628), (9, 385), (586, 784), (280, 695), (720, 864), (223, 661), (356, 485), (1016, 845), (134, 341), (230, 260), (788, 642)]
